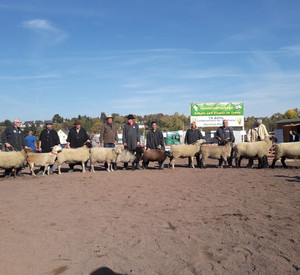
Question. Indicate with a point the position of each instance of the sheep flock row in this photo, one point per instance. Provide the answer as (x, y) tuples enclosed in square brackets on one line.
[(111, 156)]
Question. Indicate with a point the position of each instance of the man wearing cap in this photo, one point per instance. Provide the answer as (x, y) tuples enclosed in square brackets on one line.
[(131, 137), (108, 133), (77, 137), (13, 139), (48, 139)]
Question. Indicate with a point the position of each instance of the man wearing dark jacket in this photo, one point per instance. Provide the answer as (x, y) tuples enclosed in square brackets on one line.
[(77, 137), (192, 135), (48, 139), (131, 137), (155, 139), (13, 139), (223, 133)]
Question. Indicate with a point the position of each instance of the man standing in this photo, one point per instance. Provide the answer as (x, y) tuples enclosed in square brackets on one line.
[(77, 137), (131, 137), (192, 135), (108, 133), (224, 133), (257, 131), (48, 139), (31, 141), (155, 139), (13, 139)]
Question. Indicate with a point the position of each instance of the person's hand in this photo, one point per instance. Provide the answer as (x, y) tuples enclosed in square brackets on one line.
[(102, 144), (40, 149), (148, 149), (159, 146), (7, 145), (219, 139), (125, 144)]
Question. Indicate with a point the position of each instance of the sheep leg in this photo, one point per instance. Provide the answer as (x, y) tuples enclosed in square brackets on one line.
[(58, 168), (31, 169), (273, 163), (192, 162), (173, 163), (161, 165), (283, 162), (92, 167), (202, 162), (83, 167)]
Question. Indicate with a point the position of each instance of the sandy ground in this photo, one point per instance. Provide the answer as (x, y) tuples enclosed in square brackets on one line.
[(182, 221)]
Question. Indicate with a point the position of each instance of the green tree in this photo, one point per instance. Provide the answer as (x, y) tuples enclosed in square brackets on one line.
[(57, 119)]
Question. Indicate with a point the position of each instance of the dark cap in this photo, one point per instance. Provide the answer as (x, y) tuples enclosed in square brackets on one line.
[(49, 122)]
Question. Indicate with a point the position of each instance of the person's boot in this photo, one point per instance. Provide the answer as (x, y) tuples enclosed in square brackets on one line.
[(138, 166), (125, 166)]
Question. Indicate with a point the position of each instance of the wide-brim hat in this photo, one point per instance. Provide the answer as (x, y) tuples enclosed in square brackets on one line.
[(109, 116), (49, 122), (77, 122), (130, 116)]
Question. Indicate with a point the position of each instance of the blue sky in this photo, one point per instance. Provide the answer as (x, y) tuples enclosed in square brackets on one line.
[(145, 57)]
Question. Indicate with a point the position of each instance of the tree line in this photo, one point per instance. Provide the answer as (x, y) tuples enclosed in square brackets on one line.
[(165, 122)]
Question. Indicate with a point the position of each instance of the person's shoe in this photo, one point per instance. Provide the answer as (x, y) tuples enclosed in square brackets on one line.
[(51, 172), (20, 174), (40, 172)]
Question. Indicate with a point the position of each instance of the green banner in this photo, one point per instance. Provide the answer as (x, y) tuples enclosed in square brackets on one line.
[(217, 109)]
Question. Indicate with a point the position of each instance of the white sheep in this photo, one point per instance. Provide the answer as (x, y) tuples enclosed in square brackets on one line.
[(251, 150), (43, 159), (13, 159), (127, 156), (104, 155), (73, 156), (215, 152), (290, 150), (185, 151)]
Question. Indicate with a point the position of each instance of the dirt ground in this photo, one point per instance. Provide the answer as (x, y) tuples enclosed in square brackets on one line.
[(182, 221)]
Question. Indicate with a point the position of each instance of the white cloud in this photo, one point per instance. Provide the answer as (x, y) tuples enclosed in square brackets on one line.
[(46, 30)]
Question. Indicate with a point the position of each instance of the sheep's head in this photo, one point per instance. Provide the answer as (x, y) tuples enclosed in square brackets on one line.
[(200, 141), (56, 148)]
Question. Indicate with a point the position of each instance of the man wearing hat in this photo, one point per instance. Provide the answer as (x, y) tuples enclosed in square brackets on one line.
[(77, 137), (48, 139), (108, 133), (131, 136)]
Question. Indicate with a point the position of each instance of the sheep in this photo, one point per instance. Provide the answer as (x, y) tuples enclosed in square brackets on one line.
[(250, 150), (185, 151), (155, 155), (285, 150), (13, 159), (106, 155), (43, 159), (73, 156), (128, 156), (215, 152)]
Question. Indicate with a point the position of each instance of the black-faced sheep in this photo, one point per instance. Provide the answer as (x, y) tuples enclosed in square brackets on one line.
[(290, 150), (251, 150), (215, 152), (131, 156)]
